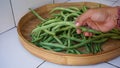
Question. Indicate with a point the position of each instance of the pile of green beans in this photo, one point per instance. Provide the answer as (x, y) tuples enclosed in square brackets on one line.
[(58, 33)]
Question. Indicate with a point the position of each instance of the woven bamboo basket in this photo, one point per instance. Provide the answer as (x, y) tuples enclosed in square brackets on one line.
[(28, 22)]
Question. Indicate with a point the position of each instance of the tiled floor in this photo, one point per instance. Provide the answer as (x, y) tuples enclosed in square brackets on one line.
[(20, 7), (14, 55), (51, 65), (6, 18), (97, 1)]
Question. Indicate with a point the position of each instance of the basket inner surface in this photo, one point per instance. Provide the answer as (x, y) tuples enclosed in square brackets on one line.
[(29, 22)]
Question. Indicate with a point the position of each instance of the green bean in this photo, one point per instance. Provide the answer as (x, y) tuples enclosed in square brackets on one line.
[(59, 41), (49, 39), (83, 37), (56, 27), (53, 45), (71, 38), (90, 45), (38, 34), (84, 9), (69, 15), (38, 38), (97, 48), (36, 14), (117, 31), (50, 21), (65, 28), (87, 41), (48, 32), (66, 23), (101, 40), (79, 12), (59, 28), (73, 31), (53, 24), (62, 9), (65, 42), (115, 37), (58, 49), (62, 14), (72, 51), (74, 8), (77, 51), (56, 15), (85, 29), (45, 37), (46, 47), (94, 50), (43, 27), (88, 48), (37, 44), (68, 51)]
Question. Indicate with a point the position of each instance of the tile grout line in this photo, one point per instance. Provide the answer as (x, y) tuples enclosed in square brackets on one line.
[(112, 1), (40, 64), (66, 1), (115, 2), (53, 1), (113, 65), (12, 12), (7, 30)]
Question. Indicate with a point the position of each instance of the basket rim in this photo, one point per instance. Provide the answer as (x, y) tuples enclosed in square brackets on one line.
[(53, 52)]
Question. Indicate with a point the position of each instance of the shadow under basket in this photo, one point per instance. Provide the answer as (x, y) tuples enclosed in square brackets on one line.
[(28, 22)]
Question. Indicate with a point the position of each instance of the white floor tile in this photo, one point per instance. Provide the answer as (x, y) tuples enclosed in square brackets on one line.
[(60, 1), (13, 54), (51, 65), (113, 0), (20, 7), (117, 3), (76, 0), (107, 2), (115, 61), (6, 17)]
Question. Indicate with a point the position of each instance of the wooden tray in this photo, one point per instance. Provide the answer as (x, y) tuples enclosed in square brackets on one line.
[(111, 49)]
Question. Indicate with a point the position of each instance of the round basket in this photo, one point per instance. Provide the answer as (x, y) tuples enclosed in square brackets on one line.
[(28, 22)]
